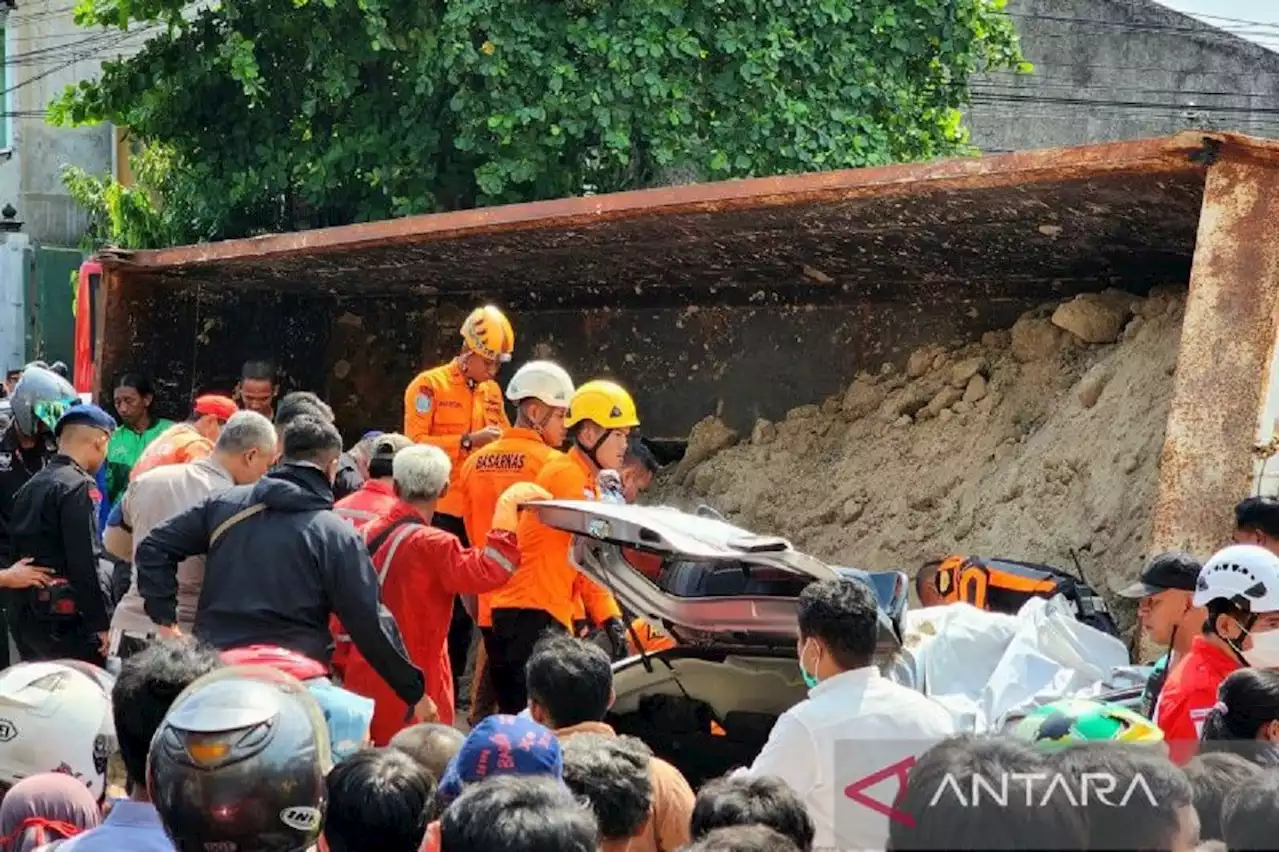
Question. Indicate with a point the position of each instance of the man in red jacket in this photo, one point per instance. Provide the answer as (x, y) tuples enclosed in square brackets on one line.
[(374, 499), (421, 569)]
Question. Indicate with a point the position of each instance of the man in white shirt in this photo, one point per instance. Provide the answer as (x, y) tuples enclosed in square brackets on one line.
[(846, 749)]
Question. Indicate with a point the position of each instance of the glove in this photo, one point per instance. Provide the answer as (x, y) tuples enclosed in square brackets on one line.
[(506, 513), (617, 633)]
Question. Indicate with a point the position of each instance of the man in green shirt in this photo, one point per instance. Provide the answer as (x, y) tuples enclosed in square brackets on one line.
[(132, 398)]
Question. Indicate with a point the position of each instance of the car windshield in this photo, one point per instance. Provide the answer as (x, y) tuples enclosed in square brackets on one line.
[(685, 578)]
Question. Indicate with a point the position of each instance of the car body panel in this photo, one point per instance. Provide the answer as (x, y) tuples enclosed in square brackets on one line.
[(707, 582)]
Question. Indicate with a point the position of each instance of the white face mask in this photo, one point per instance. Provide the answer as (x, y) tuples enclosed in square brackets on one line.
[(1265, 653)]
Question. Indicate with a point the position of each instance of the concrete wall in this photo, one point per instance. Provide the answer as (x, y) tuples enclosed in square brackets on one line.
[(1107, 70), (44, 53)]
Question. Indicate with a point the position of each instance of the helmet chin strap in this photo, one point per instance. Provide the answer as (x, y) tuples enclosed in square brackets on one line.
[(594, 448), (1246, 626)]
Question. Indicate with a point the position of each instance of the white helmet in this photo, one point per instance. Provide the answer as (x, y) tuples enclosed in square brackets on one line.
[(544, 381), (1243, 571), (56, 718)]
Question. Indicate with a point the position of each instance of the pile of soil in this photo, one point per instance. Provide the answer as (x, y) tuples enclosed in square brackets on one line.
[(1030, 444)]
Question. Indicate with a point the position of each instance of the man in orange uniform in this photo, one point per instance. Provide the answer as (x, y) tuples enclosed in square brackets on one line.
[(375, 498), (458, 408), (540, 390), (190, 441), (540, 595), (421, 570)]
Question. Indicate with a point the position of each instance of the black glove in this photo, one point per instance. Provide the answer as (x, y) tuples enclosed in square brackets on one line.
[(617, 633)]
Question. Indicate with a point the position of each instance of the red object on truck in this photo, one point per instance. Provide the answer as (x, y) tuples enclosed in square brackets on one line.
[(87, 289)]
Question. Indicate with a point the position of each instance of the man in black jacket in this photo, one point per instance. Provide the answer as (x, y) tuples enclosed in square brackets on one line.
[(54, 522), (278, 562)]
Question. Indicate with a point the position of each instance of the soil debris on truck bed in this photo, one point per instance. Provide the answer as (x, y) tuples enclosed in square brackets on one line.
[(1033, 442)]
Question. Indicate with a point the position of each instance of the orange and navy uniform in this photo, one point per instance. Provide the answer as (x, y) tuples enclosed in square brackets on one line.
[(546, 580), (518, 456), (440, 406)]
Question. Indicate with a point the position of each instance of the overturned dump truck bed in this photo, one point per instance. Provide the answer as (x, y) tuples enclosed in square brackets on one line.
[(743, 298)]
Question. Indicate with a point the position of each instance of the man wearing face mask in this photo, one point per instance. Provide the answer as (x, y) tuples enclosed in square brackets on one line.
[(1240, 591), (1167, 616), (278, 562), (853, 715)]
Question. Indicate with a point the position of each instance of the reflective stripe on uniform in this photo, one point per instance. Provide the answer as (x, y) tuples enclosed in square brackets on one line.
[(496, 556), (397, 537)]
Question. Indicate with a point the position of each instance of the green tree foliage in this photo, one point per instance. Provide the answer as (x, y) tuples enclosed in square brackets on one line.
[(280, 114)]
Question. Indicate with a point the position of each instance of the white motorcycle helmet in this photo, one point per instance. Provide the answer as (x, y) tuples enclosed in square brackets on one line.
[(544, 381), (1245, 573), (56, 717)]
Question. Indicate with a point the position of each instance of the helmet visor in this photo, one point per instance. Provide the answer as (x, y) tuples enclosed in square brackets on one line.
[(50, 411)]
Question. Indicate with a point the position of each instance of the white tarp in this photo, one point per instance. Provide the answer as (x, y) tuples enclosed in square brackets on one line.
[(984, 666)]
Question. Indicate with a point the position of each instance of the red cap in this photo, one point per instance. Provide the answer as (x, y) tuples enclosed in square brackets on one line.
[(221, 407)]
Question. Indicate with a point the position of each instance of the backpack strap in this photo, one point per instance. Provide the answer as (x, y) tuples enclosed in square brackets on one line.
[(400, 529), (243, 514)]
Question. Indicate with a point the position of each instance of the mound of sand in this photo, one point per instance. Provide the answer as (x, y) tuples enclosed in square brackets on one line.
[(1030, 444)]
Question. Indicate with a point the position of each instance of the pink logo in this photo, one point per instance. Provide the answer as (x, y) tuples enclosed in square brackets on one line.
[(899, 770)]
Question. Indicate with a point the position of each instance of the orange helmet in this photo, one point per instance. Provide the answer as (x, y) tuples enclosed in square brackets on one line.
[(489, 334)]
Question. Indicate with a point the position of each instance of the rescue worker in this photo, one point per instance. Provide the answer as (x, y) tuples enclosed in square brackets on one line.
[(245, 449), (257, 388), (132, 398), (189, 441), (54, 522), (421, 570), (278, 563), (458, 408), (1239, 587), (540, 595), (540, 391), (374, 499)]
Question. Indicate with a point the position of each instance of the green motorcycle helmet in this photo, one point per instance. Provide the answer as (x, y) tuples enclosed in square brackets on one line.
[(1079, 720)]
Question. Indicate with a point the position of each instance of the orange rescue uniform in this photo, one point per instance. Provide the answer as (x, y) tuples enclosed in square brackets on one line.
[(179, 444), (440, 406), (546, 579), (518, 456)]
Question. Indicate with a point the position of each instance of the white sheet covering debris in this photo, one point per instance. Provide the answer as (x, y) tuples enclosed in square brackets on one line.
[(986, 667)]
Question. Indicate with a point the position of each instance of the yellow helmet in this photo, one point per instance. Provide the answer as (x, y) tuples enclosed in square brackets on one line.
[(489, 334), (602, 402)]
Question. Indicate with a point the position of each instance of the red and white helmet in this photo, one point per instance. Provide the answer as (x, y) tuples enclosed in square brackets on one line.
[(56, 717)]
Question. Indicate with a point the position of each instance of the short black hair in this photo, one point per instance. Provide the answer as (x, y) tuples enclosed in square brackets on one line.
[(639, 454), (1259, 514), (1212, 778), (310, 439), (571, 679), (518, 813), (752, 800), (1149, 818), (377, 800), (260, 370), (148, 684), (1248, 699), (298, 403), (613, 775), (942, 811), (743, 838), (431, 744), (845, 617), (1251, 815), (138, 382)]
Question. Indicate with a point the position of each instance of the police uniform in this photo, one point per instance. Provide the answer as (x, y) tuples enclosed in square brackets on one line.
[(17, 465), (54, 521)]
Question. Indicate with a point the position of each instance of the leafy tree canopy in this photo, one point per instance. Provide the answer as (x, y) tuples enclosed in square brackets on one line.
[(280, 114)]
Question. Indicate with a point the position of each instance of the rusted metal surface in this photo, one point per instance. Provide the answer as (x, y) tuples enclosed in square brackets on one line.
[(745, 298), (1228, 340)]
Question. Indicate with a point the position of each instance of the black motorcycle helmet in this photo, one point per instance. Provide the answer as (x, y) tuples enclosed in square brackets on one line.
[(40, 397), (239, 764)]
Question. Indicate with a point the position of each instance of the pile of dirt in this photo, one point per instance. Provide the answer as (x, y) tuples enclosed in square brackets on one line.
[(1030, 444)]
